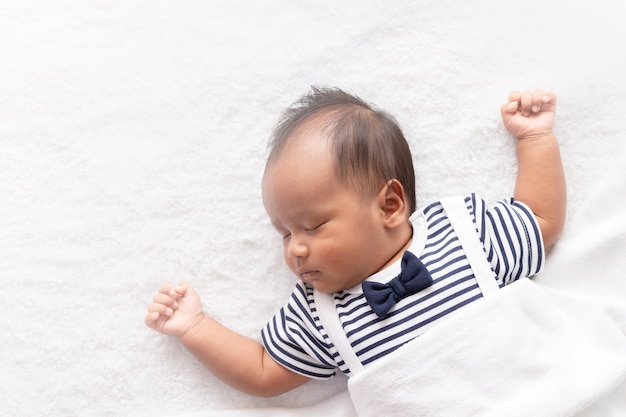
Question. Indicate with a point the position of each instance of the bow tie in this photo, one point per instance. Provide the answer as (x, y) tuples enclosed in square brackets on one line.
[(413, 278)]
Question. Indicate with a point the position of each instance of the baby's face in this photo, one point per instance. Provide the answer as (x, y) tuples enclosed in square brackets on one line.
[(329, 231)]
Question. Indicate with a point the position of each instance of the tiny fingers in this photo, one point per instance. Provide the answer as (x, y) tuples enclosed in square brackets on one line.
[(525, 103), (528, 102), (163, 305), (160, 309), (514, 96), (152, 316), (548, 100), (542, 101), (166, 300), (151, 319), (165, 289), (510, 107), (181, 289), (536, 99)]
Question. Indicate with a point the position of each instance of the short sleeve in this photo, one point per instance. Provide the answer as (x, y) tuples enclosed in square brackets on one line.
[(511, 236), (292, 338)]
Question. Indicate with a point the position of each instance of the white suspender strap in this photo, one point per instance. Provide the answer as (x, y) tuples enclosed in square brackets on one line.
[(466, 231), (327, 312)]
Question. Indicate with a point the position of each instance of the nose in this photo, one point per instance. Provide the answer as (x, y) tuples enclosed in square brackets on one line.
[(297, 248)]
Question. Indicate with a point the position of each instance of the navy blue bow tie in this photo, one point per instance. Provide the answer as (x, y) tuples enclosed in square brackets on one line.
[(413, 278)]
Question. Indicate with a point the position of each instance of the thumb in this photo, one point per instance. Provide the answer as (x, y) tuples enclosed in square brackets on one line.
[(182, 288)]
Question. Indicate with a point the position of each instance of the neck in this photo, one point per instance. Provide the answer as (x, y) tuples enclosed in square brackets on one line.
[(404, 239)]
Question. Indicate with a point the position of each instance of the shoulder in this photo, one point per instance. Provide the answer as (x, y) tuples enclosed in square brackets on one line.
[(475, 205), (477, 208)]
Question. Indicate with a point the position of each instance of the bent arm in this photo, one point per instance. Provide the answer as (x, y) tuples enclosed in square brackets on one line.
[(541, 184), (238, 361)]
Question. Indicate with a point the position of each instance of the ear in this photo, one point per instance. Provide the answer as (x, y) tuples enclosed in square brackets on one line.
[(393, 204)]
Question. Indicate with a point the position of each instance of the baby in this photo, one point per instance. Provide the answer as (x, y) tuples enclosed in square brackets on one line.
[(339, 187)]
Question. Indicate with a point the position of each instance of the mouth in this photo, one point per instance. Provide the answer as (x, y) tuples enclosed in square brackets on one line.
[(308, 276)]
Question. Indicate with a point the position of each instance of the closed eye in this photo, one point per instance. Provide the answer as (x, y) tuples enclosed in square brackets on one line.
[(312, 229)]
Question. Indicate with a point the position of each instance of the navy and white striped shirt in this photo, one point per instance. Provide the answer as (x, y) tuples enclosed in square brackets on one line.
[(512, 240)]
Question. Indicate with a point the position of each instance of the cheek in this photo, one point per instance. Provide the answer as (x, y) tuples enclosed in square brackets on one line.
[(336, 254)]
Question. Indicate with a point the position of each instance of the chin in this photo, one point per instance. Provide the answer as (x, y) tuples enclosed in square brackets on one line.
[(325, 287), (319, 286)]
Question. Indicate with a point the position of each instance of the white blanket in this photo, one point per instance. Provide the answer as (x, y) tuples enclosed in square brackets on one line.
[(523, 352), (132, 141)]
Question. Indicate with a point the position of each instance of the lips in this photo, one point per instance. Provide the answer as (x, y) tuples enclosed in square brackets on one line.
[(308, 275)]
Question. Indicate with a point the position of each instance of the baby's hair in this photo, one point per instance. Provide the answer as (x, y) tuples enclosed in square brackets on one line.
[(368, 146)]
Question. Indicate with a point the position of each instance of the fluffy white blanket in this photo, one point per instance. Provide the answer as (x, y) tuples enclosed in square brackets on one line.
[(523, 352), (132, 141)]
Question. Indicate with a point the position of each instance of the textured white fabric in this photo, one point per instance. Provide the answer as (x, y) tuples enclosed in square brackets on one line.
[(519, 352)]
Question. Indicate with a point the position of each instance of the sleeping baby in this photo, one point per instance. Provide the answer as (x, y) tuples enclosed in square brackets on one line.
[(375, 271)]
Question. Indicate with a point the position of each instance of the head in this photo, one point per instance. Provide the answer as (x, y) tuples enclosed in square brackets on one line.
[(367, 144), (339, 187)]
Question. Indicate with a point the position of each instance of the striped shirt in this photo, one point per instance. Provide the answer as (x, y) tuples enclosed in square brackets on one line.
[(513, 245)]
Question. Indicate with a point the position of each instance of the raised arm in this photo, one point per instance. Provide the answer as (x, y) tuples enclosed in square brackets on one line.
[(235, 359), (540, 184)]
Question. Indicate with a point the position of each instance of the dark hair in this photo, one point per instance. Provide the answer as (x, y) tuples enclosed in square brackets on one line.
[(368, 146)]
